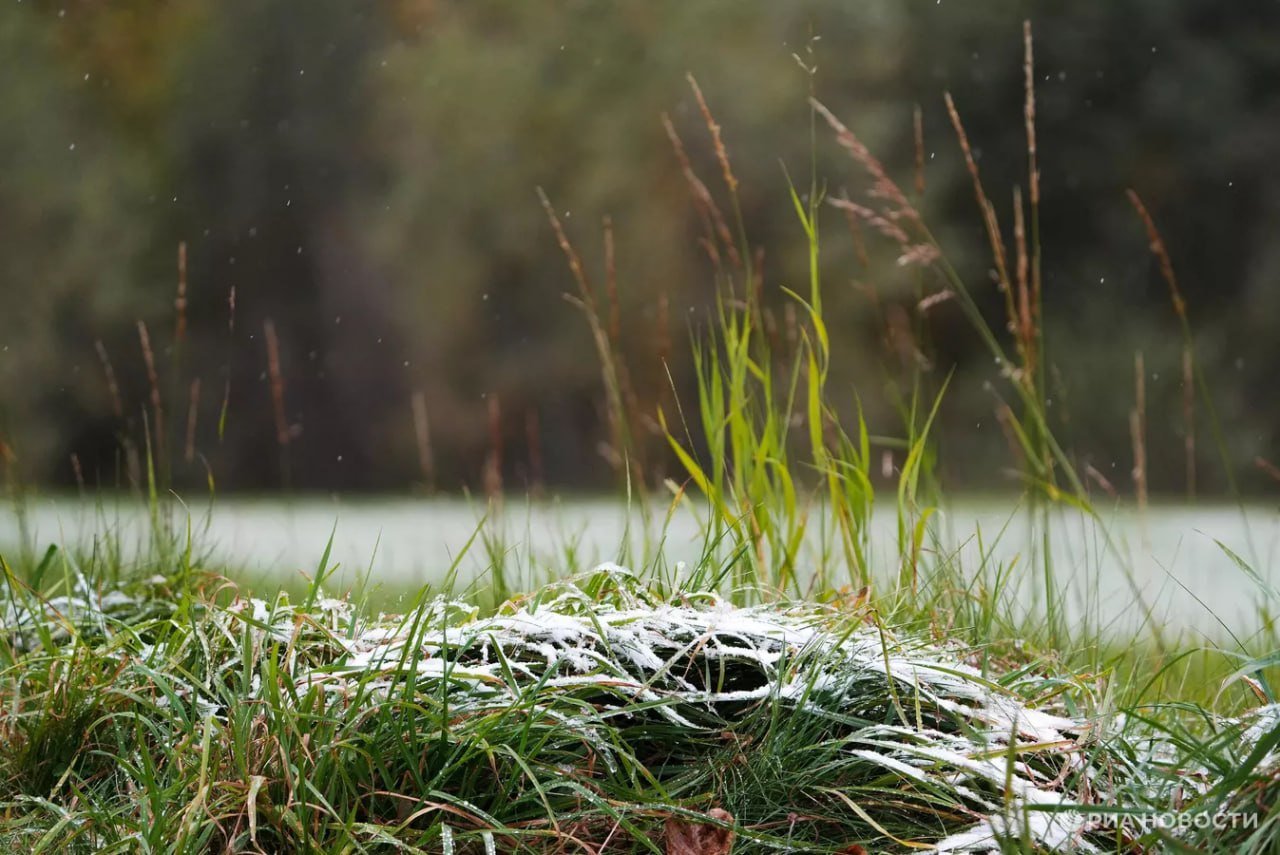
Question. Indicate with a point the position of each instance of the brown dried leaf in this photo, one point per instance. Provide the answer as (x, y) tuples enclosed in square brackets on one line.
[(683, 837)]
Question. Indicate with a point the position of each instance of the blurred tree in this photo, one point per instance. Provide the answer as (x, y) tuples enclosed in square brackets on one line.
[(363, 177), (267, 148), (127, 50), (484, 101), (73, 220), (1174, 100)]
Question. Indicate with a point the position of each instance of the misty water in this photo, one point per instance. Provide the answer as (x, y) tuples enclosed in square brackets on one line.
[(1166, 563)]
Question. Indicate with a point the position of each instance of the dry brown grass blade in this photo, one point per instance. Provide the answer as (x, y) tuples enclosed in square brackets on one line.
[(1033, 170), (998, 253), (713, 127), (1138, 431), (78, 472), (716, 233), (113, 387), (276, 376), (585, 291), (1029, 112), (193, 413), (663, 324), (1189, 418), (611, 283), (422, 437), (887, 227), (226, 384), (682, 837), (180, 300), (1267, 467), (1026, 325), (1101, 480), (1161, 252), (612, 371), (935, 299), (153, 381), (917, 127), (883, 187)]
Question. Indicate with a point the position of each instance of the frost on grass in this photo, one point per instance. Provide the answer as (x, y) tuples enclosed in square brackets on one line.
[(28, 620), (898, 735), (909, 710)]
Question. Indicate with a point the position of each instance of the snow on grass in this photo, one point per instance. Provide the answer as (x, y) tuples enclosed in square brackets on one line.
[(700, 663), (910, 733)]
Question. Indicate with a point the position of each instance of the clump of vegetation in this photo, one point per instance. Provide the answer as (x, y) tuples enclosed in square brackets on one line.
[(603, 713)]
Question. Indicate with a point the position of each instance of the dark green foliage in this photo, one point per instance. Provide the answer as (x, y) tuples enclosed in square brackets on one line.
[(365, 179)]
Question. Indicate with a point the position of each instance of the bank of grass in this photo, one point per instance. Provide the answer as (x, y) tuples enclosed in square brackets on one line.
[(156, 706), (781, 694)]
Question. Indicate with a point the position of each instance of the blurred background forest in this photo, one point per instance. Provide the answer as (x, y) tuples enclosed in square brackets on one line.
[(362, 177)]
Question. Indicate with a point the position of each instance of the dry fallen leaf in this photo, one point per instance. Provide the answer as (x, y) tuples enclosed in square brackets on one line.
[(688, 838)]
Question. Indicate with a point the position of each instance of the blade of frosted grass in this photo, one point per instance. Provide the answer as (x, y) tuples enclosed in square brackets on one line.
[(323, 570)]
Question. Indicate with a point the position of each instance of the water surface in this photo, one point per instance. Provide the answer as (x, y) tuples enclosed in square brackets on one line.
[(1166, 563)]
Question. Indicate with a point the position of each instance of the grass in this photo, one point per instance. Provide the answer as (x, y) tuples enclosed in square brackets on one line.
[(165, 709), (780, 694)]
